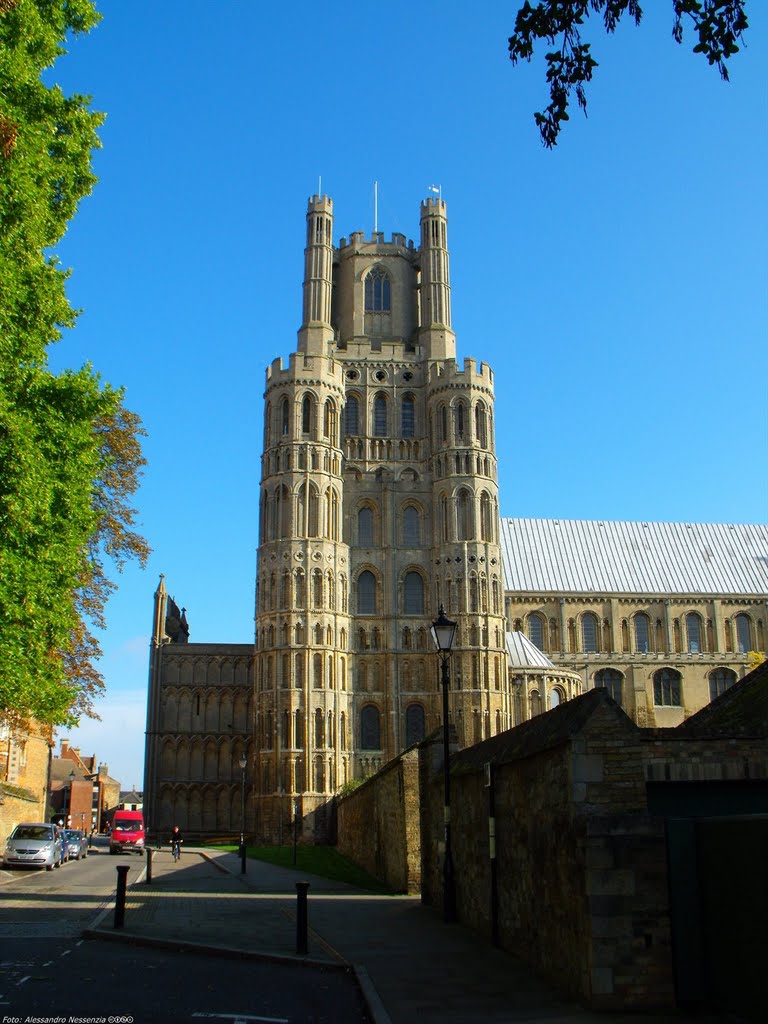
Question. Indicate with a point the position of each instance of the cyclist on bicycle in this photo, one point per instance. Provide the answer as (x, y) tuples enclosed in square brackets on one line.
[(176, 841)]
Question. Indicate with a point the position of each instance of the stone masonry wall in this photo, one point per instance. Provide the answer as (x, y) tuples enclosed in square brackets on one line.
[(582, 890), (378, 824), (581, 868)]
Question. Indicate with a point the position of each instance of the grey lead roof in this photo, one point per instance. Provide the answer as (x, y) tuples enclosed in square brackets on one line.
[(585, 556), (524, 654)]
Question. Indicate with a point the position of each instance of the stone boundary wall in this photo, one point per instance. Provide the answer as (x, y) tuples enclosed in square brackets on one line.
[(378, 824), (581, 887)]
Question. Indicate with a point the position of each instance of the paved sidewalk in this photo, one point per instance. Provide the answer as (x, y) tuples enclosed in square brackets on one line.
[(411, 966)]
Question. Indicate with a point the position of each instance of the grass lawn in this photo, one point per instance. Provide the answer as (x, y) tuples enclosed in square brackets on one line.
[(324, 861)]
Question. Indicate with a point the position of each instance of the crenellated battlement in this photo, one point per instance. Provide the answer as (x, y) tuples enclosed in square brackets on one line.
[(323, 203), (358, 242), (304, 368), (446, 372), (433, 206)]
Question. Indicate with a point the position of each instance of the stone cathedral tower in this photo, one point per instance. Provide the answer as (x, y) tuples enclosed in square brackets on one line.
[(379, 502)]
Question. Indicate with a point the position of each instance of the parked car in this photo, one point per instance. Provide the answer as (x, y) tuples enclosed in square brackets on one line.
[(34, 845), (76, 843)]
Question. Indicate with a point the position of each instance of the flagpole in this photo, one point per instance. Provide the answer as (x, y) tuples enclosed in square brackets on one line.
[(375, 206)]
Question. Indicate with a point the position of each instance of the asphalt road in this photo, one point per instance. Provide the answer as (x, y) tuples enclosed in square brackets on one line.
[(48, 971)]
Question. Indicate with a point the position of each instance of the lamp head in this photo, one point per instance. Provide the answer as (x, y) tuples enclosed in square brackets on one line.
[(443, 632)]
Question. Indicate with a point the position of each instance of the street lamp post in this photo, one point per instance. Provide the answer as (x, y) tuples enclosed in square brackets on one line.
[(243, 764), (69, 819), (443, 632)]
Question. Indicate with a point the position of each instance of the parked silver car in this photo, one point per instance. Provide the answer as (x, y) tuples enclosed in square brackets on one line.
[(33, 845), (77, 844)]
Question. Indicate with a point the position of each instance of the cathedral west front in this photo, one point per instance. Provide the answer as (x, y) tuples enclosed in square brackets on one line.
[(378, 505)]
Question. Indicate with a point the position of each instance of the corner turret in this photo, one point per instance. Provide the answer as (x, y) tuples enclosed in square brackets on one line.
[(436, 334), (316, 331)]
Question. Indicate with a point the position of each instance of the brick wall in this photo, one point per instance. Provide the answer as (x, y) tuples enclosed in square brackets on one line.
[(24, 788)]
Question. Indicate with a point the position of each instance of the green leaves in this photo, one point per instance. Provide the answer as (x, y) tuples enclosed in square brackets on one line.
[(70, 454), (718, 23)]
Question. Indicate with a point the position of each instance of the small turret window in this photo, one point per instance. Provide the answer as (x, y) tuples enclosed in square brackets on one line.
[(377, 292)]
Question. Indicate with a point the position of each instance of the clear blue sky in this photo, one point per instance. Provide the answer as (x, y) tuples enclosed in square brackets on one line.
[(616, 285)]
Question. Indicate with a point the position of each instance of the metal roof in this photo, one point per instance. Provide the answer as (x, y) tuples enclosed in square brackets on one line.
[(525, 654), (588, 556)]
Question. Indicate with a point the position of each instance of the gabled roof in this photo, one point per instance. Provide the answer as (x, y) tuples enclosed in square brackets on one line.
[(523, 653), (589, 556), (741, 711), (544, 732)]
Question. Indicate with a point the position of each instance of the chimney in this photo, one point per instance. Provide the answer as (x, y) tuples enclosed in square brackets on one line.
[(64, 748)]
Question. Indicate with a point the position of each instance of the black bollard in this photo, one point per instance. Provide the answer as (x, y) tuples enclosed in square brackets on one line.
[(122, 882), (301, 917), (148, 879)]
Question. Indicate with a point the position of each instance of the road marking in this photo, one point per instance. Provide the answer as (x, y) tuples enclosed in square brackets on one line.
[(25, 978)]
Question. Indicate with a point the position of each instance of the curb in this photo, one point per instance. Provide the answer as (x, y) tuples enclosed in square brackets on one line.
[(186, 946)]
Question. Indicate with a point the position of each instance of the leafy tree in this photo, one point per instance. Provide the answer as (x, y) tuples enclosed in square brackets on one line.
[(718, 25), (70, 455)]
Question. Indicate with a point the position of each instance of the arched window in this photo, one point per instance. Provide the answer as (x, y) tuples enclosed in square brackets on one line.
[(370, 729), (536, 630), (329, 420), (380, 415), (352, 416), (666, 688), (319, 730), (481, 431), (693, 631), (444, 518), (486, 520), (460, 420), (464, 530), (411, 527), (443, 413), (377, 291), (366, 593), (612, 681), (589, 633), (414, 724), (408, 416), (743, 638), (317, 589), (642, 633), (413, 594), (365, 526), (555, 697), (285, 417), (306, 415), (719, 681)]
